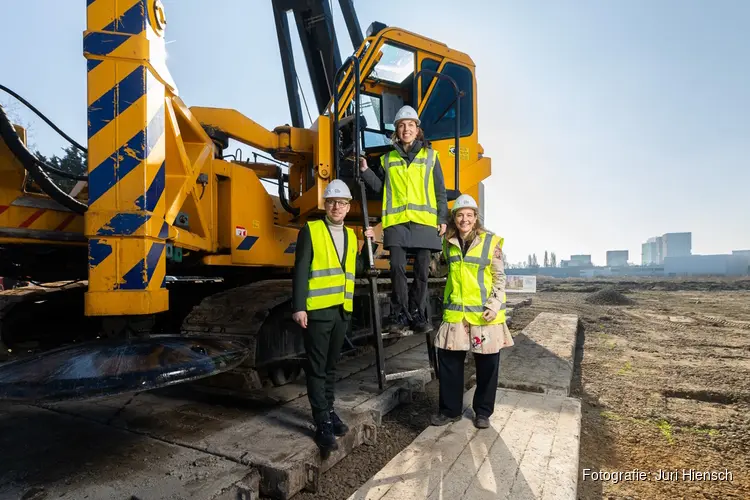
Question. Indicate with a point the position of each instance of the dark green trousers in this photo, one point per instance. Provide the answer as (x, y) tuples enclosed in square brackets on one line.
[(324, 337)]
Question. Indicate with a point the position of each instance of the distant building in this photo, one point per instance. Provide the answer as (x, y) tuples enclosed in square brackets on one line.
[(696, 265), (658, 248), (677, 244), (651, 252), (743, 253), (617, 258), (577, 261)]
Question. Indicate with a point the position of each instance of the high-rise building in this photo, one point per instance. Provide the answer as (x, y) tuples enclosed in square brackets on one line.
[(651, 252), (656, 249), (677, 244), (617, 258)]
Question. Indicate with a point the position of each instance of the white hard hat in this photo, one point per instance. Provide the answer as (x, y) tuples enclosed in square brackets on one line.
[(406, 113), (337, 189), (464, 201)]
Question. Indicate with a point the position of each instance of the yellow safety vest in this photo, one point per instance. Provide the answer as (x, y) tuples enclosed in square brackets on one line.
[(468, 282), (329, 284), (409, 190)]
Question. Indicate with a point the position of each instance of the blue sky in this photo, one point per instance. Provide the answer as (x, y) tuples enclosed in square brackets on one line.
[(607, 121)]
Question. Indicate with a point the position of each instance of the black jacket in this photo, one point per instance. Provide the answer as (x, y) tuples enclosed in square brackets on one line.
[(303, 259), (410, 234)]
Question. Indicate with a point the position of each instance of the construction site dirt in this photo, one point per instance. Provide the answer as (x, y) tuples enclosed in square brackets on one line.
[(661, 369), (663, 381)]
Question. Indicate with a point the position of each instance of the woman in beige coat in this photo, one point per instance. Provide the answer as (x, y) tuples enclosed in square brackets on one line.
[(473, 314)]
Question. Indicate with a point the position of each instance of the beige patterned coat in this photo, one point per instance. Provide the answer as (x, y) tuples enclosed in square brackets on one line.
[(487, 339)]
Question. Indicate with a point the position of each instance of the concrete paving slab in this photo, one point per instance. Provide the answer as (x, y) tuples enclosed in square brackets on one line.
[(76, 458), (543, 355), (530, 451)]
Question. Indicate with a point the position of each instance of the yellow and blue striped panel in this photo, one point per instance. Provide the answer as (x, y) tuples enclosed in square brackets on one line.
[(126, 134)]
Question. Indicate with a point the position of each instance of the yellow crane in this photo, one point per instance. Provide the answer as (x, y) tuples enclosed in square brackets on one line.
[(169, 234)]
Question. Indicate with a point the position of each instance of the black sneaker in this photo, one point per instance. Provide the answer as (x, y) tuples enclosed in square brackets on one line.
[(339, 427), (398, 324), (420, 325), (324, 437), (481, 422), (440, 419)]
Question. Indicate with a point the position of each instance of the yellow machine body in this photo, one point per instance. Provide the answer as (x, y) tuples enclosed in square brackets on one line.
[(158, 187)]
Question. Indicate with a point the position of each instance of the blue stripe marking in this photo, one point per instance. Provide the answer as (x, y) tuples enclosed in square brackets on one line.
[(92, 63), (98, 252), (123, 224), (149, 200), (164, 231), (132, 21), (152, 259), (164, 282), (291, 248), (100, 44), (135, 278), (89, 2), (117, 100), (247, 243), (113, 169)]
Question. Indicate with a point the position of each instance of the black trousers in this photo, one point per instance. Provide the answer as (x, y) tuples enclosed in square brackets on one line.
[(403, 297), (323, 341), (451, 368)]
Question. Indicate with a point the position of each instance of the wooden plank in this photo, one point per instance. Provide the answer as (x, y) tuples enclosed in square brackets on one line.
[(410, 463), (430, 469), (561, 480), (534, 464), (461, 474), (530, 451), (543, 355)]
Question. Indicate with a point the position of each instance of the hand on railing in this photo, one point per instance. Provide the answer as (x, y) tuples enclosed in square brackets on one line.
[(362, 164)]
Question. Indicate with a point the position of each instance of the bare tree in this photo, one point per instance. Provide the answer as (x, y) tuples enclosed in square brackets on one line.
[(546, 259), (553, 260)]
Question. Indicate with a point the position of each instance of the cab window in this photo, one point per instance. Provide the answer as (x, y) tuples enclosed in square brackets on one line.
[(395, 65), (439, 115)]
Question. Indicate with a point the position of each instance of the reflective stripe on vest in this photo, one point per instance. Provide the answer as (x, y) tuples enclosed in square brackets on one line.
[(329, 284), (469, 279), (409, 190)]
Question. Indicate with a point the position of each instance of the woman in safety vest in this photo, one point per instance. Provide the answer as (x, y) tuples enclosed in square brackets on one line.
[(415, 215), (473, 314)]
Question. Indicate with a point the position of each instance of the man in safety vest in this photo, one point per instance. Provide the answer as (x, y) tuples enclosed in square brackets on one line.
[(323, 290), (473, 314), (415, 214)]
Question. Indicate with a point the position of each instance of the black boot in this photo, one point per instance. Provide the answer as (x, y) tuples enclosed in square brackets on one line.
[(325, 439), (398, 324), (420, 324), (439, 419), (339, 427)]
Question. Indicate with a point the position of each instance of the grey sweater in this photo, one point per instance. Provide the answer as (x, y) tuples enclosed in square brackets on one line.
[(301, 275)]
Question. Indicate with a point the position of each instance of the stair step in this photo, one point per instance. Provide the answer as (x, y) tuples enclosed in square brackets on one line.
[(407, 374), (389, 335)]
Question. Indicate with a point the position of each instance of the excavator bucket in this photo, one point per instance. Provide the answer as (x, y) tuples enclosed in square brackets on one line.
[(110, 367)]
